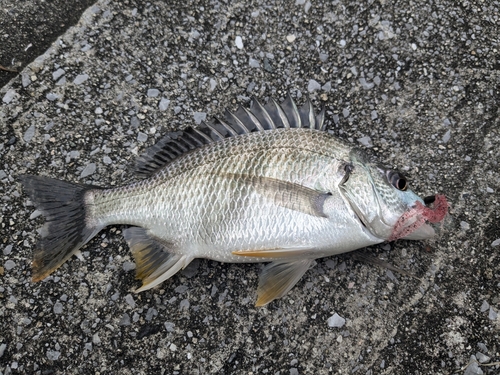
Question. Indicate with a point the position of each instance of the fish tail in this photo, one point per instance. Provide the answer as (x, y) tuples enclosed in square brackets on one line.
[(66, 227)]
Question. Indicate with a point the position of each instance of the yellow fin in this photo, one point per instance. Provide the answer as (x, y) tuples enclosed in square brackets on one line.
[(154, 262), (277, 278), (286, 253)]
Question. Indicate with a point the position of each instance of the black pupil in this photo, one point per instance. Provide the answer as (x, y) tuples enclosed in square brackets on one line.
[(401, 184), (398, 181)]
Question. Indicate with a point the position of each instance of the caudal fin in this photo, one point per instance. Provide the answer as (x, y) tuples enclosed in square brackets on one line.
[(66, 230)]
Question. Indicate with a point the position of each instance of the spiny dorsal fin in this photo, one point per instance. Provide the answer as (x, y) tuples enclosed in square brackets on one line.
[(258, 118)]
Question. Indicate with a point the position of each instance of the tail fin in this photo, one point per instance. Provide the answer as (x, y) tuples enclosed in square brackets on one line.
[(66, 230)]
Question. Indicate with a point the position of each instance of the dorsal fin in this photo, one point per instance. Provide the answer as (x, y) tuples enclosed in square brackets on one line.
[(257, 118)]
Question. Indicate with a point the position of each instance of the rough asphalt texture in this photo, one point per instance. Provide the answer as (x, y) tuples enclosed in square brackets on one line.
[(416, 83)]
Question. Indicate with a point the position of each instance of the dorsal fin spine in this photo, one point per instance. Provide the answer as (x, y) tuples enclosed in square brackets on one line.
[(295, 112), (310, 111), (228, 127), (188, 131), (212, 128), (254, 119), (320, 119), (267, 118), (203, 135), (237, 121), (178, 143), (281, 114)]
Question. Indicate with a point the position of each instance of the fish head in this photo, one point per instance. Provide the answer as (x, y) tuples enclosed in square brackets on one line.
[(381, 199)]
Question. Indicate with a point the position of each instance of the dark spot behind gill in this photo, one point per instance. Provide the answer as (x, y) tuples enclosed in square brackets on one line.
[(348, 168)]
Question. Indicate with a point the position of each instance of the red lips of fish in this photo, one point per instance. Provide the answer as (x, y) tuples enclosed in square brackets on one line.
[(423, 214)]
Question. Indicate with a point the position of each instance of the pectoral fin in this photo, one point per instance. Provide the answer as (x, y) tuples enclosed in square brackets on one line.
[(287, 194), (154, 262), (277, 278)]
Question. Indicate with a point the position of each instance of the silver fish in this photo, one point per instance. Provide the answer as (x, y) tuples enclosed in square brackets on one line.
[(267, 184)]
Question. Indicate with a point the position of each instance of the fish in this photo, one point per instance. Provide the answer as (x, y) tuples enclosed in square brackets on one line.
[(266, 183)]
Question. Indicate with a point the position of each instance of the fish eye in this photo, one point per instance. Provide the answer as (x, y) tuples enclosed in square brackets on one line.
[(397, 180)]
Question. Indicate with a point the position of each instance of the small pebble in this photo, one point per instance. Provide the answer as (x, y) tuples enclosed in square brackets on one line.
[(493, 315), (51, 96), (495, 243), (365, 141), (25, 79), (464, 225), (336, 321), (58, 308), (88, 170), (327, 86), (447, 136), (9, 95), (142, 137), (29, 133), (53, 355), (238, 42), (199, 117), (482, 358), (10, 264), (80, 79), (57, 74), (184, 304), (473, 367), (153, 93), (213, 84), (169, 326), (128, 266), (313, 85), (291, 38), (7, 250), (366, 85), (125, 320), (253, 63), (164, 103), (130, 300)]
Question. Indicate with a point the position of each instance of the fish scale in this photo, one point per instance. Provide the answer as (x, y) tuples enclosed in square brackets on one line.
[(268, 185)]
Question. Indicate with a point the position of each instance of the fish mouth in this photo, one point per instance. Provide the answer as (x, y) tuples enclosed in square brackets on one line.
[(413, 224)]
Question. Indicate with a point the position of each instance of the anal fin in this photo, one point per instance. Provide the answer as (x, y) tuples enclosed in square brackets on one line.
[(277, 278), (154, 262)]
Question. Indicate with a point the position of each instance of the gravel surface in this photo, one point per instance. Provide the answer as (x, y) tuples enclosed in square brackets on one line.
[(416, 83)]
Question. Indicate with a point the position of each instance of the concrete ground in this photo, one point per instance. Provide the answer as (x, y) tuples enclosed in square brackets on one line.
[(416, 82)]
